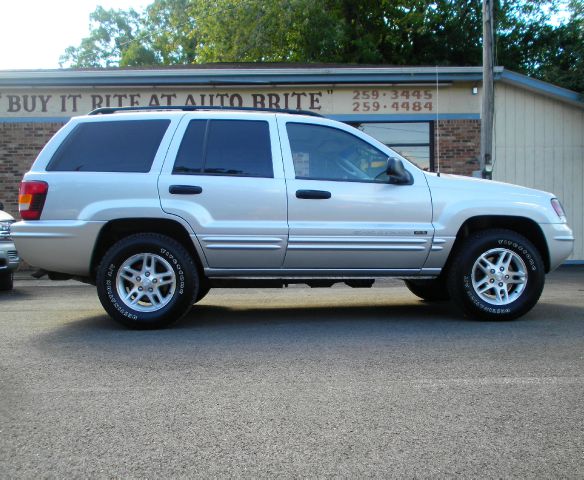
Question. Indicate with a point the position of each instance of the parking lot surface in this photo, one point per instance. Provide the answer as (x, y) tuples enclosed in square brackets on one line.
[(292, 383)]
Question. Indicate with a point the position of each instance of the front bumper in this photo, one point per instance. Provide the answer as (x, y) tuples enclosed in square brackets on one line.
[(560, 241), (9, 259)]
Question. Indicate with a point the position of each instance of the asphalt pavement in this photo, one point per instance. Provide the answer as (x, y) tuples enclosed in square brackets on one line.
[(292, 383)]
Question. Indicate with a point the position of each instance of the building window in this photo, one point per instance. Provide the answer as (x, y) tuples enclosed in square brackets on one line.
[(412, 140)]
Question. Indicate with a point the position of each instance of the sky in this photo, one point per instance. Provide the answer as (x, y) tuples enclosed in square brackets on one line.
[(35, 33)]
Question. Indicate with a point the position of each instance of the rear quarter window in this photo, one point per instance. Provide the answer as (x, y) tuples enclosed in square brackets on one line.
[(120, 146)]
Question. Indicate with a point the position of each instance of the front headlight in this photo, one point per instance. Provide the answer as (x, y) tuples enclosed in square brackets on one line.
[(5, 232), (557, 206)]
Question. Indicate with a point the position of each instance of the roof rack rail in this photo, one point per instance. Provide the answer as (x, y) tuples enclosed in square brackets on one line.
[(194, 108)]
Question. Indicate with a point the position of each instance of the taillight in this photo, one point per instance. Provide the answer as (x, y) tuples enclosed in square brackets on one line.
[(31, 199)]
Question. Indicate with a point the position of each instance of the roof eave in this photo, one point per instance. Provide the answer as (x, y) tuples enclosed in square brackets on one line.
[(246, 75), (238, 76), (543, 88)]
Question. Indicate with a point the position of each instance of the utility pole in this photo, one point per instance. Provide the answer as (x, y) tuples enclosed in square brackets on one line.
[(488, 105)]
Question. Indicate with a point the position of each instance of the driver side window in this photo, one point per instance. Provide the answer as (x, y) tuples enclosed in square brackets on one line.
[(326, 153)]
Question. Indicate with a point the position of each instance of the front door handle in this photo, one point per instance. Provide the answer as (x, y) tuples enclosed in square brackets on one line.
[(313, 194), (185, 189)]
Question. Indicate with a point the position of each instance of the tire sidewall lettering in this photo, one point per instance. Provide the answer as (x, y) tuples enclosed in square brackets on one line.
[(469, 290), (180, 288), (113, 297), (518, 248)]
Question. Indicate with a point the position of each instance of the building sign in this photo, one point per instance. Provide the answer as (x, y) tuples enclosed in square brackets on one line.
[(327, 101)]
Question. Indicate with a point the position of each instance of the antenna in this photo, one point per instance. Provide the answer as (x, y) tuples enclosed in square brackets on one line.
[(437, 126)]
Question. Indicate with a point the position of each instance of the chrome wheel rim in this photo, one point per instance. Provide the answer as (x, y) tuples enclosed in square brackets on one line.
[(499, 276), (146, 282)]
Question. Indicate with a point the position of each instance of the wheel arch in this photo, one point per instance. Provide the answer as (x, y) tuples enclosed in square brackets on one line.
[(522, 225), (115, 230)]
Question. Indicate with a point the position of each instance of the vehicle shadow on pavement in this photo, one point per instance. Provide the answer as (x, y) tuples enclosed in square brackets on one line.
[(209, 316), (209, 319), (16, 295), (213, 331)]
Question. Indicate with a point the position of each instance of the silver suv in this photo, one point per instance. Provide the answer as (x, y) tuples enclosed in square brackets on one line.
[(9, 260), (157, 207)]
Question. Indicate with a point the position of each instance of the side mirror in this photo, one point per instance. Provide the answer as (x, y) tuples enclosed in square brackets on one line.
[(397, 173)]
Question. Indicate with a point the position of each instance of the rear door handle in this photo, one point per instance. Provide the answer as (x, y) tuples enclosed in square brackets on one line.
[(185, 189), (313, 194)]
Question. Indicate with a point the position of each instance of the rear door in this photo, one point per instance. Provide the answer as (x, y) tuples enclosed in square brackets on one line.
[(223, 175), (343, 214)]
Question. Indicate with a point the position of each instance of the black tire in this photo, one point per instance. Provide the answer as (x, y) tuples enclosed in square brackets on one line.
[(430, 290), (153, 263), (6, 281), (204, 288), (479, 287)]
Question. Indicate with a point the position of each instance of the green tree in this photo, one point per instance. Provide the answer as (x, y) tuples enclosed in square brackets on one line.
[(392, 32), (562, 61), (170, 30), (259, 31), (165, 34), (114, 36)]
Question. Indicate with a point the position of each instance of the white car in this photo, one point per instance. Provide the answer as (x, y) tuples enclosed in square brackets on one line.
[(9, 260), (156, 207)]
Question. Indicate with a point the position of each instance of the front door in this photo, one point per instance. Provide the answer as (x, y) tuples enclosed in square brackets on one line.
[(343, 215)]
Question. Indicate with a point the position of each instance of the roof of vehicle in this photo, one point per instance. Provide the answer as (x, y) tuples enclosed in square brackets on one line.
[(192, 108)]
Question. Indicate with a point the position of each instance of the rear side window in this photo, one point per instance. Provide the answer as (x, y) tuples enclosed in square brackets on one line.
[(121, 146), (189, 159), (226, 147)]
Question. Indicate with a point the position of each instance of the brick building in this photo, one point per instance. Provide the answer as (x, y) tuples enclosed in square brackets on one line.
[(430, 115)]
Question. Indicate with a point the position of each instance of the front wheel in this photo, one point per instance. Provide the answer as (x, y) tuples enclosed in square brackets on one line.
[(6, 281), (496, 275), (430, 290), (147, 280)]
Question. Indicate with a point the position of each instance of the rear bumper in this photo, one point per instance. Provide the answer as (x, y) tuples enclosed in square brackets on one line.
[(57, 246), (560, 240)]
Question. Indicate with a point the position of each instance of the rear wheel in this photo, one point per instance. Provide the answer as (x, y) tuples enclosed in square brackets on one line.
[(147, 280), (496, 275), (432, 290), (6, 281)]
